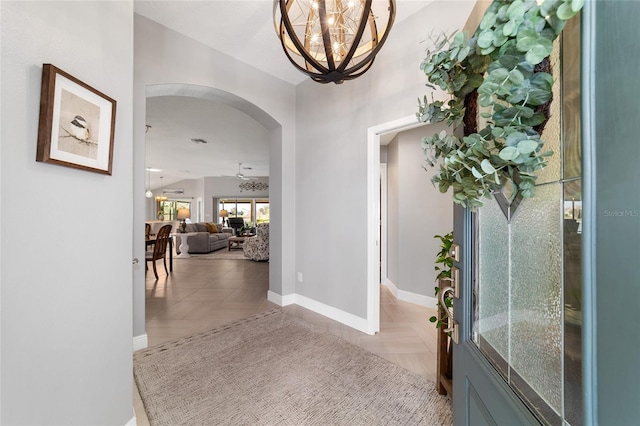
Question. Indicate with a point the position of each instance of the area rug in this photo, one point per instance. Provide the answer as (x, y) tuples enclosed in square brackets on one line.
[(276, 369), (222, 254)]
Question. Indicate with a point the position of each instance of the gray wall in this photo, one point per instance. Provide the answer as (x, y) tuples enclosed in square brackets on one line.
[(417, 212), (331, 157), (65, 252)]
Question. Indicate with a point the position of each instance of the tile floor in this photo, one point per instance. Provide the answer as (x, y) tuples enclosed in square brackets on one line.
[(203, 293)]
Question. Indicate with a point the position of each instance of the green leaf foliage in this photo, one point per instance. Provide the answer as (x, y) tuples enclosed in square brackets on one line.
[(443, 265), (498, 61)]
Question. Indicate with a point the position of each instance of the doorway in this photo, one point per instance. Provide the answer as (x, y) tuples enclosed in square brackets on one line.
[(279, 192), (379, 217)]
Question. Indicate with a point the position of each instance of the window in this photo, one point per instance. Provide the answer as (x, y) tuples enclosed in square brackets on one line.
[(262, 212), (168, 209), (250, 209)]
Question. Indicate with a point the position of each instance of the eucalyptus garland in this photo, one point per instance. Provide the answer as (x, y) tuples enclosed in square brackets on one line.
[(503, 65)]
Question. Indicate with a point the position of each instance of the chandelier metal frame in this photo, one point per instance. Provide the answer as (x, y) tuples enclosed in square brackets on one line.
[(335, 62)]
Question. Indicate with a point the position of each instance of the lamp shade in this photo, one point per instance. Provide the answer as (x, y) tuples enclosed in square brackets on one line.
[(223, 213), (333, 40), (183, 214)]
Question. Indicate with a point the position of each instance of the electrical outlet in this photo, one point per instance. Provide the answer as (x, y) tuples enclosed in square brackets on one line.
[(299, 277)]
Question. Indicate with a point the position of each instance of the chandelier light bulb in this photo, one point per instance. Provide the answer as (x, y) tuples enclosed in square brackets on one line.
[(333, 40)]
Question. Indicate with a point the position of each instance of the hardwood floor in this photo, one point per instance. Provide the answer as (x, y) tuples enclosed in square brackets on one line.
[(203, 293)]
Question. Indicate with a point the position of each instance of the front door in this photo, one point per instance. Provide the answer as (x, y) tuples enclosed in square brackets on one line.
[(519, 357)]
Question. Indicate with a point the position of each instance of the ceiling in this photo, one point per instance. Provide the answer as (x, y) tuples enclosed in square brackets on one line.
[(230, 136), (244, 30)]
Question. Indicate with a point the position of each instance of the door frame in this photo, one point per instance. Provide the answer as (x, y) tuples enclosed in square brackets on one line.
[(383, 221), (373, 212)]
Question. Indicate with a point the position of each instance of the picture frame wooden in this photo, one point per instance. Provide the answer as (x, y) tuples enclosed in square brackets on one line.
[(77, 123)]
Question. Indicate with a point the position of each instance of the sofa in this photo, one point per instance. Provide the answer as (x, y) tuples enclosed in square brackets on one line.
[(257, 248), (209, 237)]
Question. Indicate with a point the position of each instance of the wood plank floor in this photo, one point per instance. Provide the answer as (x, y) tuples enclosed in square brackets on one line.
[(203, 293)]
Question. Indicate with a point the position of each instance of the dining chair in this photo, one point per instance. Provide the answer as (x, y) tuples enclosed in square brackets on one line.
[(159, 249), (147, 231)]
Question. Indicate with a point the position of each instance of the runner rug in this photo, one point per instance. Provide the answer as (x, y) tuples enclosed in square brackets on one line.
[(276, 369), (223, 253)]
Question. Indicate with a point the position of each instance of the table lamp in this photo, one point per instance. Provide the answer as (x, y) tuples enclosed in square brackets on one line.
[(223, 214), (183, 214)]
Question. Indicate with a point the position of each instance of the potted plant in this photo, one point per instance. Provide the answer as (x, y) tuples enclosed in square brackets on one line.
[(248, 229), (443, 265)]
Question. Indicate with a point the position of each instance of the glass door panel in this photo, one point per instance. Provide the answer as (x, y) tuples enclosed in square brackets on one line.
[(491, 325), (526, 307), (536, 300)]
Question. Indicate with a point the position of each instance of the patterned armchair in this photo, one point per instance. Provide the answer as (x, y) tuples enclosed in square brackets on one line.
[(257, 248)]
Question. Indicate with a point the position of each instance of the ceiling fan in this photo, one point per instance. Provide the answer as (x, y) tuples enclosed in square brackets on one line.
[(241, 176)]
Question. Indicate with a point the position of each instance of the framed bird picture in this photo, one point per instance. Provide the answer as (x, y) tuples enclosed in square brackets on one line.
[(77, 123)]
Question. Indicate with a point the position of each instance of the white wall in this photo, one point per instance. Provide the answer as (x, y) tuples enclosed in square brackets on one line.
[(164, 57), (331, 157), (227, 187), (65, 252), (416, 212)]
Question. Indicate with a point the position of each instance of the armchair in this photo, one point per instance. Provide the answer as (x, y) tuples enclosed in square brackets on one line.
[(257, 248)]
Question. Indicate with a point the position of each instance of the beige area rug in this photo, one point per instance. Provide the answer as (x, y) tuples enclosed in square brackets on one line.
[(275, 369), (223, 253)]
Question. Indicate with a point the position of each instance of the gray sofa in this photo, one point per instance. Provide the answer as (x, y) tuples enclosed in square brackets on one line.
[(205, 241)]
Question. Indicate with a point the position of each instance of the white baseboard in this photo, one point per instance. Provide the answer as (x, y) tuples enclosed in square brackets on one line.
[(320, 308), (407, 296), (391, 286), (132, 422), (288, 299), (333, 313), (418, 299), (140, 342)]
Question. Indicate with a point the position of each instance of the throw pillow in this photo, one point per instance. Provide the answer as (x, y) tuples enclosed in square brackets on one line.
[(212, 228)]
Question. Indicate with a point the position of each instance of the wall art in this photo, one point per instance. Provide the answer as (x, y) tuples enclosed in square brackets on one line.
[(77, 123)]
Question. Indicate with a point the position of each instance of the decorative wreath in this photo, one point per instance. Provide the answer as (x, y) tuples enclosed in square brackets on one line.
[(505, 70)]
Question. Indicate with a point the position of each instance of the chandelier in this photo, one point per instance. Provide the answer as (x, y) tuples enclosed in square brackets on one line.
[(332, 40)]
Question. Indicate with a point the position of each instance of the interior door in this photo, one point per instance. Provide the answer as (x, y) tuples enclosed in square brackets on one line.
[(518, 359)]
